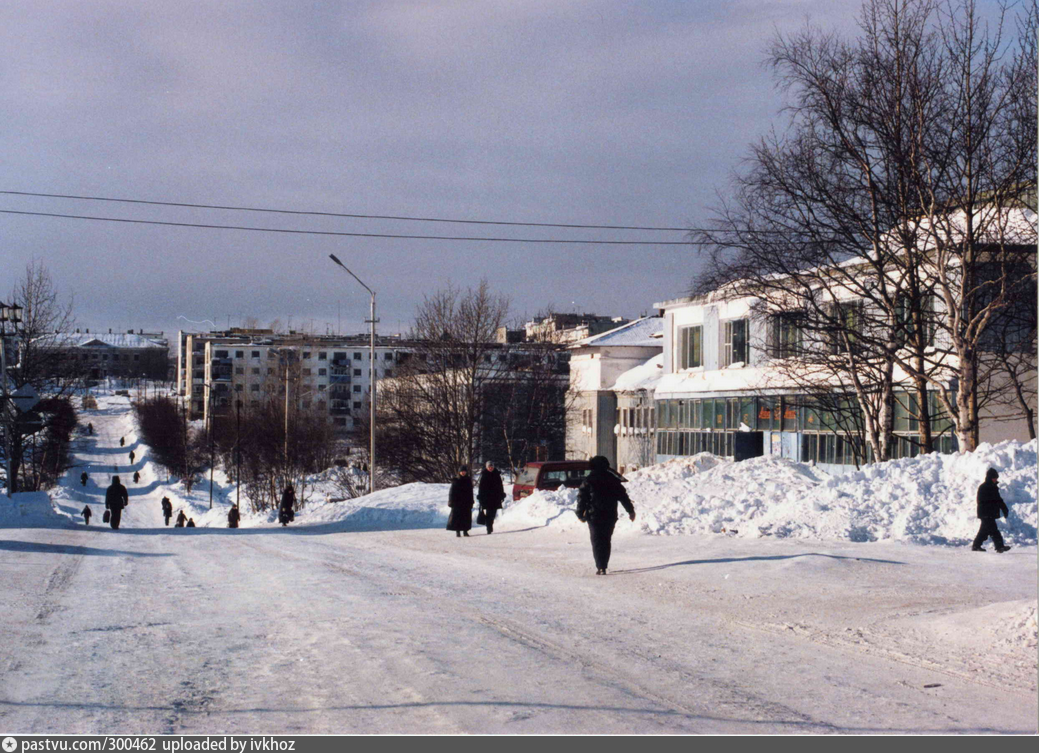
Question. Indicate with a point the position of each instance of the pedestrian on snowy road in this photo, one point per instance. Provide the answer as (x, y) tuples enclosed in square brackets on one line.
[(181, 520), (90, 430), (83, 478), (191, 523), (86, 514), (122, 441), (287, 508), (491, 494), (597, 500), (233, 517), (460, 500), (116, 499), (167, 509), (990, 507), (131, 457)]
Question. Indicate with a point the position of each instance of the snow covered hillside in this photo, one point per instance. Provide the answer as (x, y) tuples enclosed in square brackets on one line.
[(924, 500)]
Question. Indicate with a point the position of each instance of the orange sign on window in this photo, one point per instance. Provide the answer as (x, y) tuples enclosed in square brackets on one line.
[(790, 414), (764, 414)]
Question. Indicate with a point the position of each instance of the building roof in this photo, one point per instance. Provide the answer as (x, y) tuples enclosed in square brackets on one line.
[(646, 332), (645, 376), (99, 339)]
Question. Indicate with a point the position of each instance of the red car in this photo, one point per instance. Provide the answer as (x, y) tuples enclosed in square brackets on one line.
[(549, 474)]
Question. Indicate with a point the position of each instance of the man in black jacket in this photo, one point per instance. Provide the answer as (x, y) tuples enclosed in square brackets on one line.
[(597, 500), (990, 506), (490, 495), (116, 499)]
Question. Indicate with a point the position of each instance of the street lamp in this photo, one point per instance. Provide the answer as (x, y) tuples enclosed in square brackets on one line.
[(8, 315), (371, 373)]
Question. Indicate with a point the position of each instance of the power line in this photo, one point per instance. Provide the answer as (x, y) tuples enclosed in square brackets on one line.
[(291, 231), (342, 214)]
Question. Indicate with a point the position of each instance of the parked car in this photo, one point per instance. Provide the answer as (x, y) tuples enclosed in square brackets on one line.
[(549, 474)]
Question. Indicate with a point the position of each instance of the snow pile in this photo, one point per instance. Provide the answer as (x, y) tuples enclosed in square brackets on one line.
[(924, 500), (31, 510), (413, 505)]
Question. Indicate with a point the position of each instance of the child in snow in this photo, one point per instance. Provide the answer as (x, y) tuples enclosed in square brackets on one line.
[(191, 522), (181, 520)]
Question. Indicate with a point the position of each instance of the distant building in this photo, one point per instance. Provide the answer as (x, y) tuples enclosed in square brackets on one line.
[(96, 355), (569, 328)]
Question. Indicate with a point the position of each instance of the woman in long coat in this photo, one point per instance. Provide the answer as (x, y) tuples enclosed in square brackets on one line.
[(460, 500)]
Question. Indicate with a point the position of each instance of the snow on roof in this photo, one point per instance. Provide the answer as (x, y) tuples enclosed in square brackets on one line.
[(645, 332), (645, 376), (99, 339)]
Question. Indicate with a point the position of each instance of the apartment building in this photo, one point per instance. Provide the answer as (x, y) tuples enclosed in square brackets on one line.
[(99, 355), (324, 373)]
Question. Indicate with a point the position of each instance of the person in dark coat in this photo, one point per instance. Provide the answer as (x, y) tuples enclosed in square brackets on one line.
[(131, 457), (83, 478), (491, 494), (233, 517), (597, 500), (86, 514), (122, 441), (181, 520), (288, 503), (137, 477), (460, 500), (116, 499), (990, 507), (167, 509), (191, 523), (90, 430)]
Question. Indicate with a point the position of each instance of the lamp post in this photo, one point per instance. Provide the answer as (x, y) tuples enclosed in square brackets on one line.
[(238, 455), (8, 314), (371, 373)]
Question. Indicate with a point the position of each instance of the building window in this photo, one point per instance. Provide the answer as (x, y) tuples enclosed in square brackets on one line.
[(256, 369), (256, 354), (357, 388), (322, 355), (357, 356), (322, 387), (356, 404), (787, 336), (270, 370), (239, 354), (239, 370), (690, 352), (322, 372), (357, 372), (734, 348), (387, 356), (306, 354), (254, 388)]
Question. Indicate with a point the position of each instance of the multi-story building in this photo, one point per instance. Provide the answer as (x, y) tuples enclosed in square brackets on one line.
[(319, 372), (97, 355)]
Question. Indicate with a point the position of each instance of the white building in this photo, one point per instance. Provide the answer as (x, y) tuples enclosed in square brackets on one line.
[(612, 377)]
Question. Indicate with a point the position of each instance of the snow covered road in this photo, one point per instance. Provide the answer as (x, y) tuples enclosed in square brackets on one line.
[(182, 631), (320, 628)]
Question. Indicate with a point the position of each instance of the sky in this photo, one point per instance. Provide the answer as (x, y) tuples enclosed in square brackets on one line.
[(583, 112)]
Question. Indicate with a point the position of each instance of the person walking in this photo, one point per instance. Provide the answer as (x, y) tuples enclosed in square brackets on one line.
[(83, 478), (122, 441), (131, 457), (233, 517), (990, 507), (490, 495), (460, 500), (181, 520), (137, 477), (167, 509), (597, 500), (86, 514), (90, 430), (287, 508), (116, 499)]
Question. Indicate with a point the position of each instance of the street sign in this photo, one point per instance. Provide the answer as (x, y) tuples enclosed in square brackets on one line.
[(25, 398)]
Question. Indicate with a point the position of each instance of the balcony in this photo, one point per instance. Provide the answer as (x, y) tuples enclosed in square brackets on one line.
[(339, 407)]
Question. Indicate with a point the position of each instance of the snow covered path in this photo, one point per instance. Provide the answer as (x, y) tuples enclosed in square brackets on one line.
[(312, 629)]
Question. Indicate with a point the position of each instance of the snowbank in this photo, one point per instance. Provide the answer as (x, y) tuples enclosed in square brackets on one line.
[(924, 500), (32, 510)]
